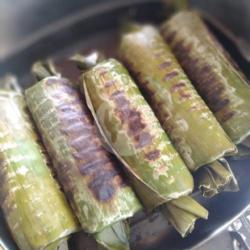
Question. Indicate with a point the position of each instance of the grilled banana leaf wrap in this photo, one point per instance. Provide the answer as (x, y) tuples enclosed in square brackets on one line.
[(87, 172), (134, 134), (191, 126), (212, 71), (35, 209), (183, 114)]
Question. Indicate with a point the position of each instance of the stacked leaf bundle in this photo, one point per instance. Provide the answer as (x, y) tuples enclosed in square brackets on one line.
[(212, 71), (133, 132), (89, 175), (187, 120), (34, 207), (87, 172)]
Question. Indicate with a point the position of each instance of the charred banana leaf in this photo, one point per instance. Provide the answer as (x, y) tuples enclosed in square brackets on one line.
[(34, 207), (217, 177), (185, 117), (214, 75), (86, 171), (131, 129), (183, 213)]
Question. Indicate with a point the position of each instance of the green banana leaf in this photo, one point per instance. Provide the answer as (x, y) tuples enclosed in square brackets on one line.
[(88, 174), (185, 117), (217, 177), (61, 244), (129, 126), (115, 237), (212, 71), (35, 209), (183, 213)]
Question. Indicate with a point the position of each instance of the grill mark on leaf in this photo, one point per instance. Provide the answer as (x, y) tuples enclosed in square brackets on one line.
[(165, 65), (148, 91), (182, 49), (109, 83), (153, 155), (90, 168), (218, 105), (67, 108), (170, 76), (82, 154), (177, 86), (71, 130), (70, 90), (206, 70), (228, 115), (103, 72), (184, 95), (102, 191), (143, 139), (101, 185), (51, 81), (170, 37)]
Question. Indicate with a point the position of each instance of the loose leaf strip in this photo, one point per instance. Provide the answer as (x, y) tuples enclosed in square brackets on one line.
[(141, 187), (89, 175), (117, 80), (212, 71), (34, 207), (183, 214), (115, 237), (43, 69), (217, 177), (181, 111)]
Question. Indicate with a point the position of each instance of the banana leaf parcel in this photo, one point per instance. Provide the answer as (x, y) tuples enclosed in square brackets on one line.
[(35, 209), (187, 120), (87, 172), (212, 71), (191, 126), (134, 134)]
